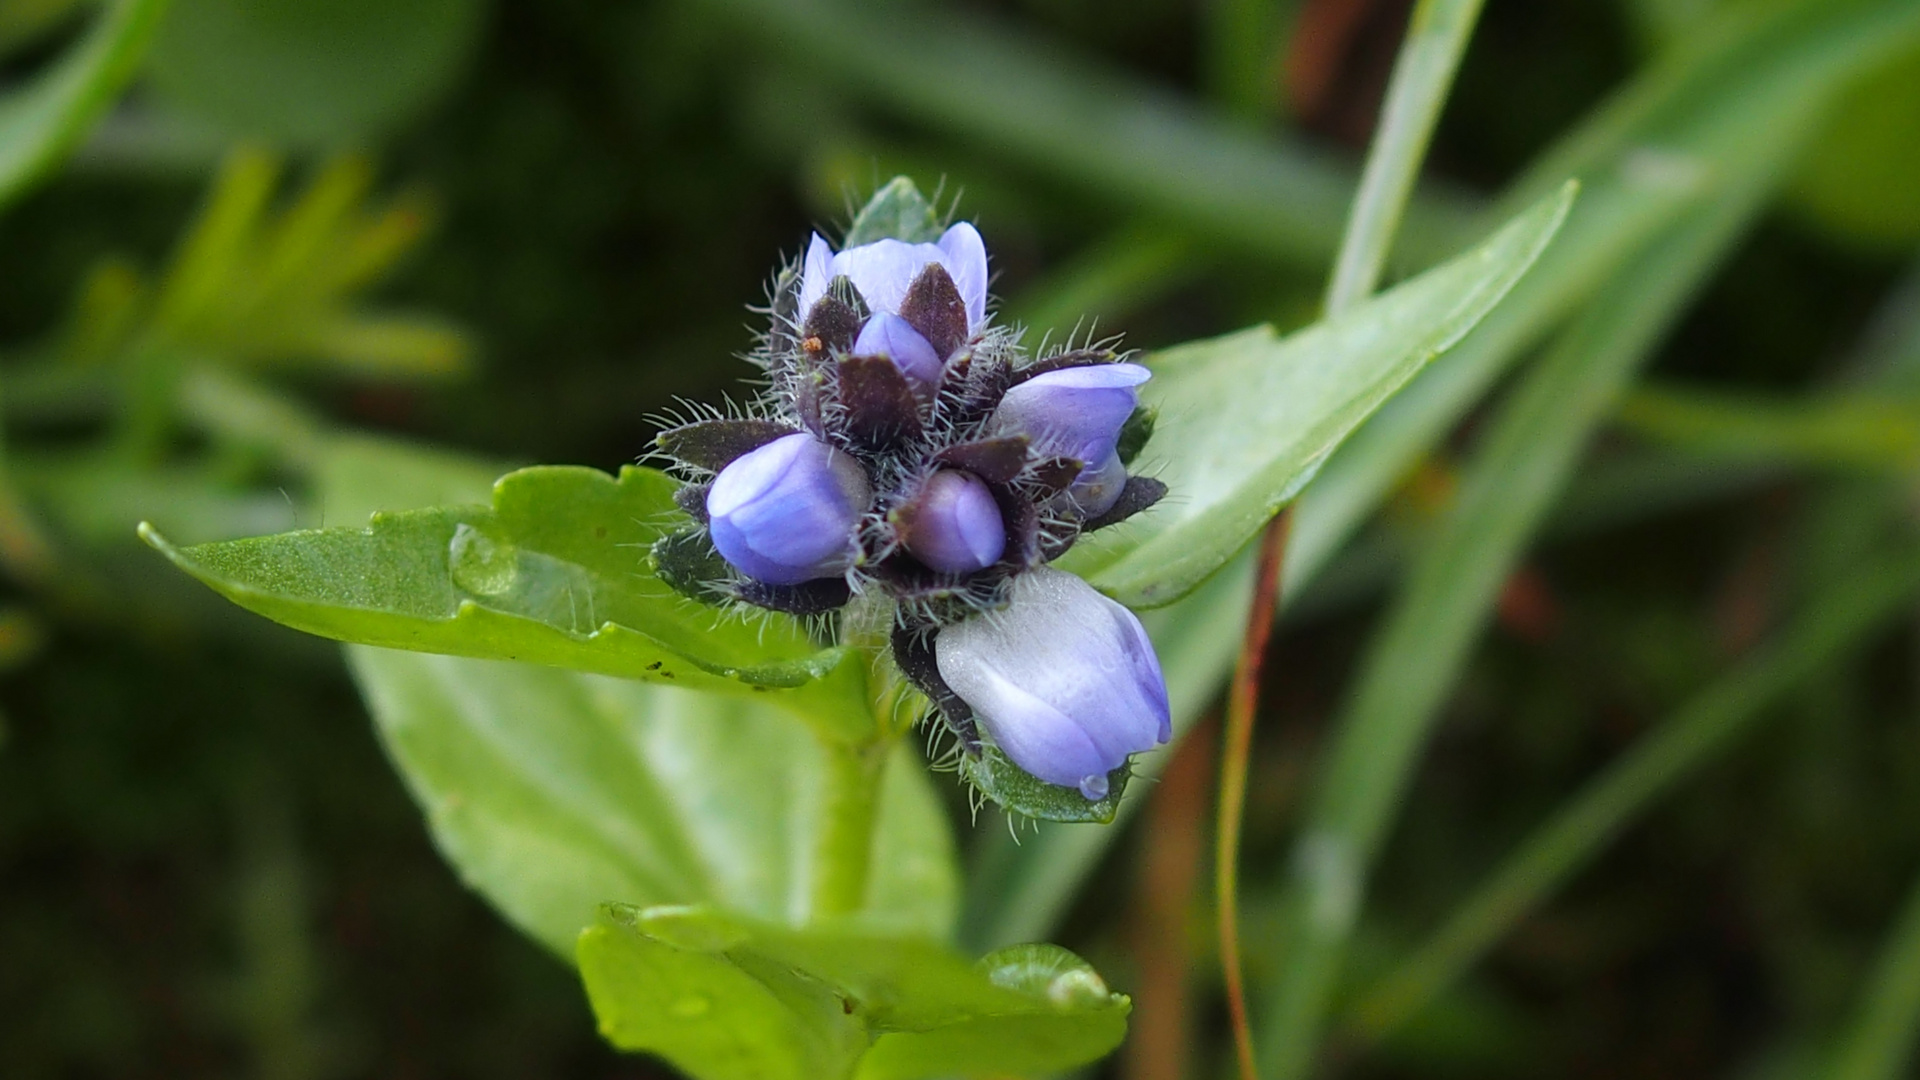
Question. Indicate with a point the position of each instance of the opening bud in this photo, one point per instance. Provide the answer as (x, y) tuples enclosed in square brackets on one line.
[(1064, 680), (786, 513)]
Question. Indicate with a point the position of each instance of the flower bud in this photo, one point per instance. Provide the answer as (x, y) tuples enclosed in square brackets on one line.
[(1075, 412), (786, 513), (1097, 487), (954, 524), (1064, 680), (883, 270), (893, 337)]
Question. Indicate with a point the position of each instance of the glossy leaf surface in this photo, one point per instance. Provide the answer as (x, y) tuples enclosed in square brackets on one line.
[(1245, 420), (554, 572), (723, 998)]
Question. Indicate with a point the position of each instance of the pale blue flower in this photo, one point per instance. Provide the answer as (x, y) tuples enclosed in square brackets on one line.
[(787, 512), (883, 270), (1077, 413), (954, 524), (891, 336), (1064, 680)]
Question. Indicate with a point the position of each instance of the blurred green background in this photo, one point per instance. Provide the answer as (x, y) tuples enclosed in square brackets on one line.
[(521, 229)]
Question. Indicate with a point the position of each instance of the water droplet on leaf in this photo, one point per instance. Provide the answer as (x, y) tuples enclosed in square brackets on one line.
[(479, 563)]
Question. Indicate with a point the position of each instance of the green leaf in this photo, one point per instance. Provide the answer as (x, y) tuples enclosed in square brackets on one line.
[(40, 122), (554, 573), (1245, 420), (897, 211), (724, 997), (312, 72), (553, 792)]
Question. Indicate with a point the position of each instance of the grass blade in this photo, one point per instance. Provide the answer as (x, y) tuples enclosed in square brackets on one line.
[(1530, 450), (1835, 624), (1142, 147)]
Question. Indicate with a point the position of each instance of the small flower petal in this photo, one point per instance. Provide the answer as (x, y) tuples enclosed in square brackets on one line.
[(786, 513), (1064, 679), (954, 525), (893, 337), (884, 269), (966, 261), (1074, 412), (815, 275)]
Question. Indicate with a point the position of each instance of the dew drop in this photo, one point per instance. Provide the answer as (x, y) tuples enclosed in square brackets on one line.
[(480, 564), (689, 1007)]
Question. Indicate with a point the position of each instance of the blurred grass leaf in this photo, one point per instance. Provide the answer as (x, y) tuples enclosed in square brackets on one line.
[(1246, 420), (1074, 119), (1857, 179), (1853, 430), (312, 72), (41, 121), (555, 572), (724, 999)]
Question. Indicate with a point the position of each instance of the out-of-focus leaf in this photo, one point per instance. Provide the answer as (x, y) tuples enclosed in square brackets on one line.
[(312, 72), (1853, 430), (723, 998), (1074, 119), (554, 572), (1671, 142), (1666, 147), (1530, 448), (1857, 179), (253, 286), (1245, 420), (41, 122)]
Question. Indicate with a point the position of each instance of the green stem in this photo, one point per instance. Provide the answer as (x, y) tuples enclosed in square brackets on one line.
[(843, 852), (1558, 848)]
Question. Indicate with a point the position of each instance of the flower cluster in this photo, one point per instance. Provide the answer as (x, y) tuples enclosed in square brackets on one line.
[(907, 448)]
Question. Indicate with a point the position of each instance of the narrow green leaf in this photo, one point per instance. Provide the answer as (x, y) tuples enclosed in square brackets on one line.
[(1245, 420), (1667, 147), (41, 122), (554, 573), (1878, 1041), (1531, 447), (1423, 72), (822, 993), (1835, 622), (1676, 139), (1072, 118)]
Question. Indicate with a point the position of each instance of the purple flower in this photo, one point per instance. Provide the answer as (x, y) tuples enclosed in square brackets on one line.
[(1064, 680), (891, 336), (884, 269), (954, 524), (1077, 413), (786, 513)]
